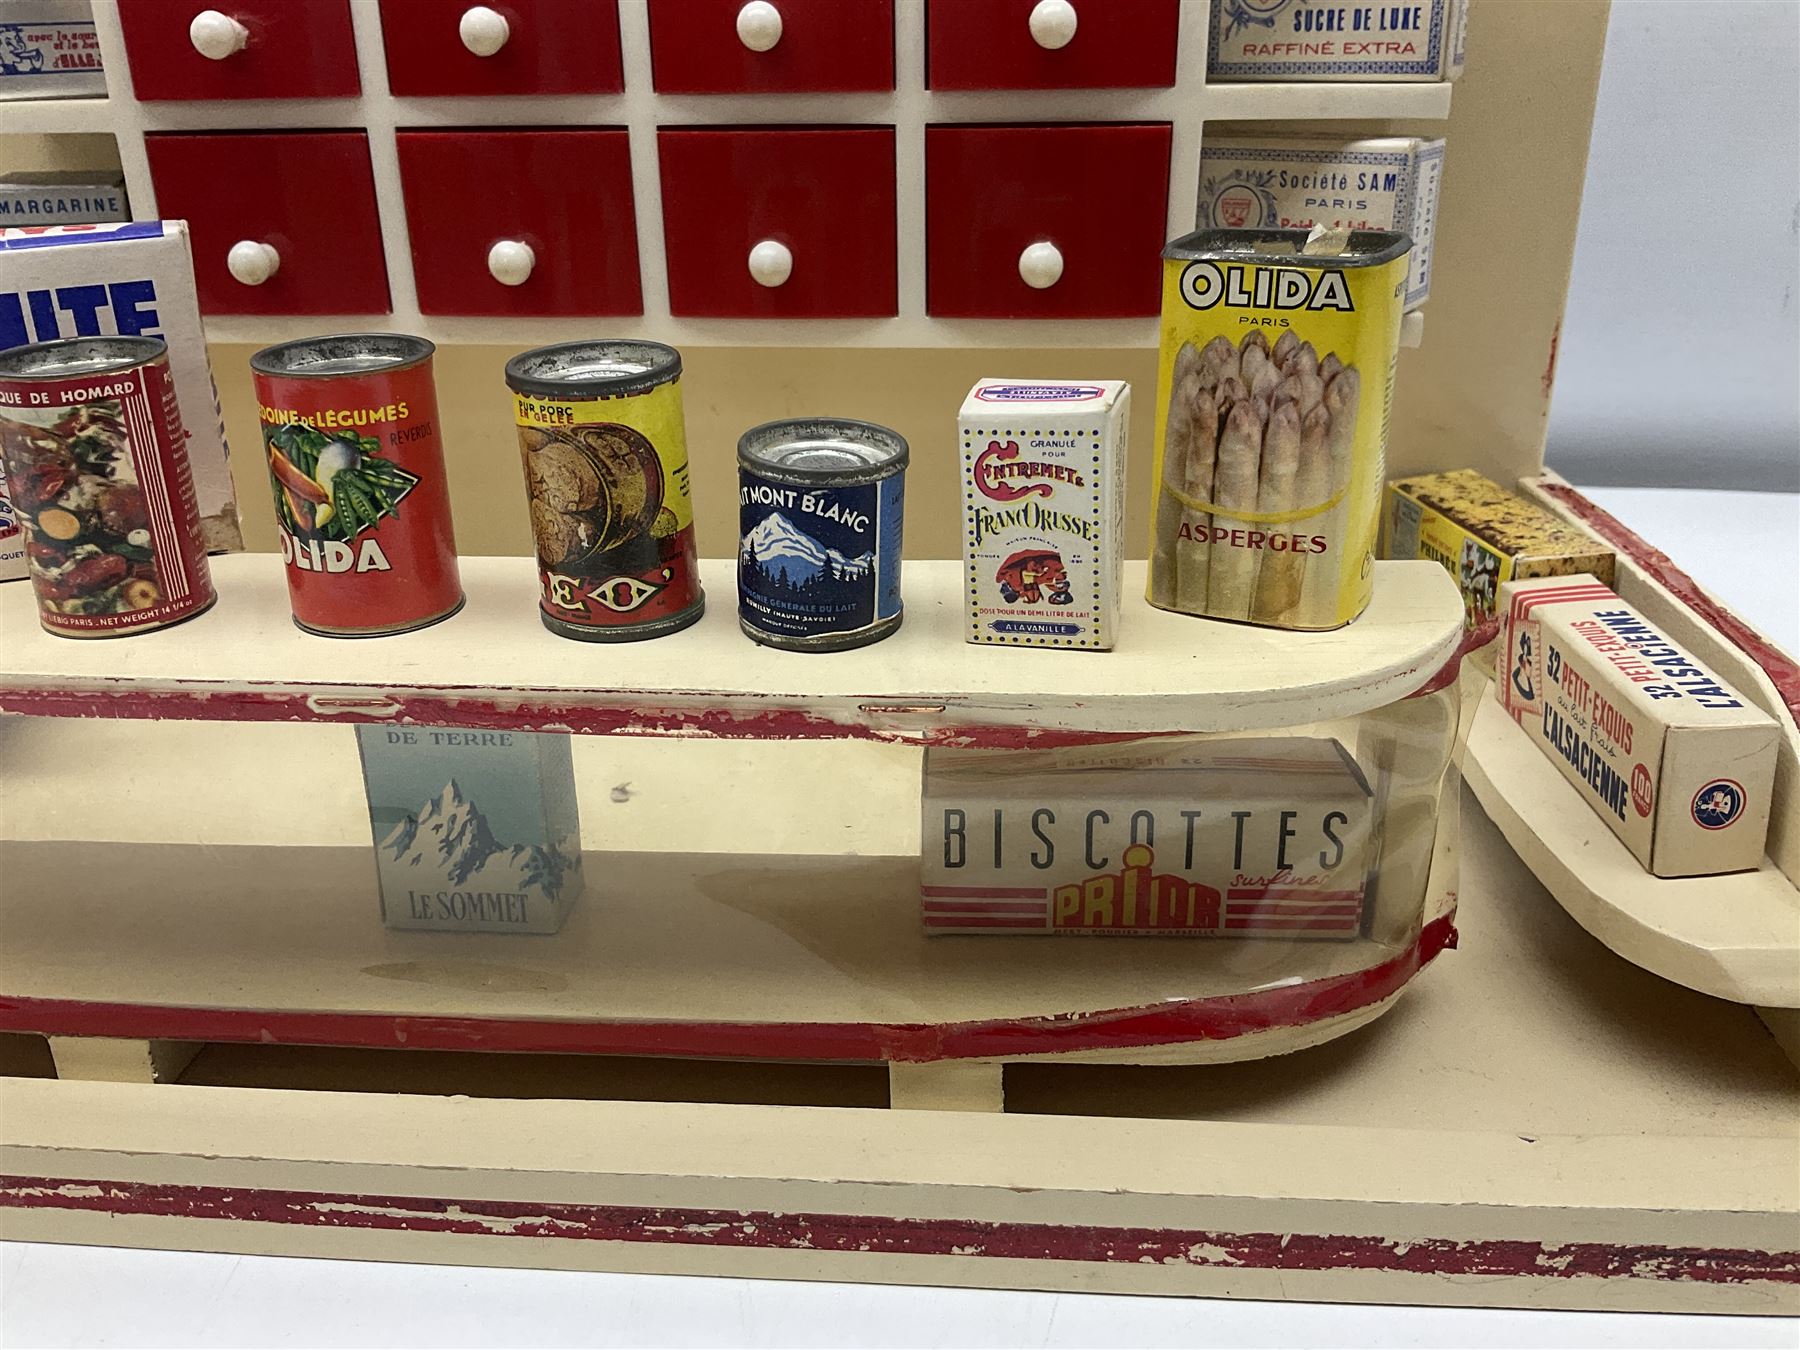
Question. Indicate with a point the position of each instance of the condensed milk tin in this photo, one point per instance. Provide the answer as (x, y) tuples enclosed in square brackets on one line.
[(97, 471), (350, 434), (820, 504), (604, 446)]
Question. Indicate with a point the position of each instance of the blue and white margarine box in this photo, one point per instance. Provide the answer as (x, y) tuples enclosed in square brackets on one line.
[(1416, 40), (1677, 762), (71, 197), (48, 49), (475, 831), (137, 277), (1297, 182)]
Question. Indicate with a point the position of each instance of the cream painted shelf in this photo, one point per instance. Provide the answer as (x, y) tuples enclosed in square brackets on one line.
[(56, 116), (495, 665)]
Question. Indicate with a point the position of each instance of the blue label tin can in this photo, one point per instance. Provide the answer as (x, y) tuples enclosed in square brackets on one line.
[(819, 511)]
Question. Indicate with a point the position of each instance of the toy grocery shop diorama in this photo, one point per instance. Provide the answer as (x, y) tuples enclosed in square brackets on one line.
[(1250, 736)]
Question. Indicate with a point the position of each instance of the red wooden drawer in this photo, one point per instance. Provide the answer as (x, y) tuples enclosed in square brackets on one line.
[(990, 44), (830, 45), (549, 47), (1098, 194), (290, 50), (824, 194), (564, 194), (309, 195)]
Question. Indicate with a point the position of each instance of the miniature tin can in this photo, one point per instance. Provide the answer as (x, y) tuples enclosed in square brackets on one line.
[(97, 471), (350, 434), (820, 507), (606, 470), (1276, 372)]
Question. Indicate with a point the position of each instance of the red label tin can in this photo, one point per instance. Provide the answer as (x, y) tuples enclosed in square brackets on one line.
[(350, 433), (97, 465)]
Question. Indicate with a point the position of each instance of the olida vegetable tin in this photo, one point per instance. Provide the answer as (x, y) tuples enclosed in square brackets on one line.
[(1275, 376), (820, 506)]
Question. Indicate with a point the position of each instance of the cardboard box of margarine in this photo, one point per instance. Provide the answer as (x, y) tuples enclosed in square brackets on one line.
[(1297, 182), (131, 278), (1676, 761)]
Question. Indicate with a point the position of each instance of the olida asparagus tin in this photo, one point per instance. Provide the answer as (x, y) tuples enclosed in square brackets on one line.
[(1273, 386), (96, 463), (350, 433), (606, 469), (820, 503)]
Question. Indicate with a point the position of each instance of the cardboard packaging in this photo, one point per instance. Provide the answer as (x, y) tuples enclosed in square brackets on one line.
[(1043, 473), (1259, 837), (475, 831), (86, 197), (48, 49), (131, 278), (12, 538), (1484, 536), (1324, 40), (1383, 183), (1677, 762)]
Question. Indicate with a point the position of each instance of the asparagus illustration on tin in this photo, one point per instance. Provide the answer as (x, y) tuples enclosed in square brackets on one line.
[(1256, 436)]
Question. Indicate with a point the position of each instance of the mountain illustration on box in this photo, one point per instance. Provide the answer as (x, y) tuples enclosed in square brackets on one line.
[(449, 840), (782, 551)]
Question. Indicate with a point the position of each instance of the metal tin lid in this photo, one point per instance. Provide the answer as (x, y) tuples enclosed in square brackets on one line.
[(79, 356), (1282, 248), (822, 450), (604, 368), (342, 354)]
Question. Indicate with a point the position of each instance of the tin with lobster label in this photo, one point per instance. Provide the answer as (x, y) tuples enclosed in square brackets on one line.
[(97, 470), (604, 447), (350, 433), (820, 507)]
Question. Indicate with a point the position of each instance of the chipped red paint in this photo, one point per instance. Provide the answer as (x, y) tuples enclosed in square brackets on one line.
[(1472, 641), (976, 1239), (1781, 669), (1173, 1022), (1550, 364)]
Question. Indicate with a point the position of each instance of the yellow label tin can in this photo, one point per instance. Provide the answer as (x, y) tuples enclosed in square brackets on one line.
[(1273, 386)]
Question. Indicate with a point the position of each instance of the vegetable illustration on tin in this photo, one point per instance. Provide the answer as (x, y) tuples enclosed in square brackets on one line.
[(332, 487)]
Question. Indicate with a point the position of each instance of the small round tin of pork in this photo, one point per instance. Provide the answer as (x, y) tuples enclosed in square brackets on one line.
[(606, 469), (350, 434), (96, 458), (820, 510)]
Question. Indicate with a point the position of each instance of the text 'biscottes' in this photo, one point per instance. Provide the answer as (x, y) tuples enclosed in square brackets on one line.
[(1043, 484), (821, 503), (1273, 390), (356, 462), (97, 467), (1678, 763), (604, 446)]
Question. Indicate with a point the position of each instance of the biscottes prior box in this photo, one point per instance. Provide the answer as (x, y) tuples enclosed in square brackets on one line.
[(1484, 536), (1380, 183), (1676, 761), (1327, 40), (1253, 837), (1043, 476)]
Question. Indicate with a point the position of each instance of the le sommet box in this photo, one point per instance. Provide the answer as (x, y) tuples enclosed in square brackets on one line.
[(475, 831)]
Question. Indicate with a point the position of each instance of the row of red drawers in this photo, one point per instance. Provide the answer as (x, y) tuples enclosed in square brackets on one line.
[(289, 49), (821, 199)]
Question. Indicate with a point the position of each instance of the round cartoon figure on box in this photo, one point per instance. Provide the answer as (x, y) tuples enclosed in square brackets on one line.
[(1033, 575)]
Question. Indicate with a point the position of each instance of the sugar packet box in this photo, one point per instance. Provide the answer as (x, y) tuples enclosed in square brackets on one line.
[(1678, 763), (1325, 40), (49, 49), (134, 278), (475, 831), (1297, 182), (1259, 837), (1043, 477)]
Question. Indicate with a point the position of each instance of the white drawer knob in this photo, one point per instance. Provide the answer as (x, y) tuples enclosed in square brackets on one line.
[(252, 262), (771, 263), (483, 31), (759, 25), (1053, 24), (1040, 265), (217, 36), (510, 262)]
